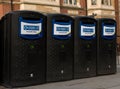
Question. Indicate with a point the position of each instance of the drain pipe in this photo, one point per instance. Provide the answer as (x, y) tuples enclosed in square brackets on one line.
[(86, 8), (11, 5)]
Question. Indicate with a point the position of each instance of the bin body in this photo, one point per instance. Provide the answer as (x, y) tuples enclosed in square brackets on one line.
[(60, 47), (85, 47), (23, 48), (106, 59)]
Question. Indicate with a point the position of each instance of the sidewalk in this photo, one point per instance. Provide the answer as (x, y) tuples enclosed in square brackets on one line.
[(101, 82)]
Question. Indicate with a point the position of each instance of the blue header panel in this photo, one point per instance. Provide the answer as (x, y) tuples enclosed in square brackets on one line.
[(61, 30), (30, 29), (108, 31), (87, 31)]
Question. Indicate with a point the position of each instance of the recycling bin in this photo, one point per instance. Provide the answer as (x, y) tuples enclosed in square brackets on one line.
[(106, 57), (60, 47), (85, 47), (23, 51)]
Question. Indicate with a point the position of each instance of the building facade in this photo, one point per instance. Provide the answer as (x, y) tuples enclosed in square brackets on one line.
[(101, 8), (71, 7), (7, 5), (49, 6), (117, 12)]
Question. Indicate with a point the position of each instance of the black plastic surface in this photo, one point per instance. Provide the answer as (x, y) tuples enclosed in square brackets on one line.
[(60, 53), (106, 59), (85, 51), (21, 64)]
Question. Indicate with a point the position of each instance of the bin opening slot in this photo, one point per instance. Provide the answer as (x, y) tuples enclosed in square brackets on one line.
[(62, 29), (109, 23), (88, 22), (24, 18), (108, 31), (30, 28), (87, 30), (61, 21)]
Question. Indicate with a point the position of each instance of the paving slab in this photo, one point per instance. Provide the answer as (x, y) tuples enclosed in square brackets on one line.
[(100, 82)]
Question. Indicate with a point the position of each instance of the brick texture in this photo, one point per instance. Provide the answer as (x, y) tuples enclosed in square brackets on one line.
[(5, 6), (117, 20)]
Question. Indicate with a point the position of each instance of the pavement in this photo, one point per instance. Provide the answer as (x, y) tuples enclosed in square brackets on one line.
[(100, 82)]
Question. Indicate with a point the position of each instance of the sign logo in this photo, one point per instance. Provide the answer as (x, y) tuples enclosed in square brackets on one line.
[(87, 30), (108, 30), (30, 28), (61, 29)]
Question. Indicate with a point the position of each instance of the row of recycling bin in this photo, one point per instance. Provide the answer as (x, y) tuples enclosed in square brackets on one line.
[(37, 48)]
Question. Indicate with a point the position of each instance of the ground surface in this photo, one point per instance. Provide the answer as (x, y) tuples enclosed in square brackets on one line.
[(101, 82)]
